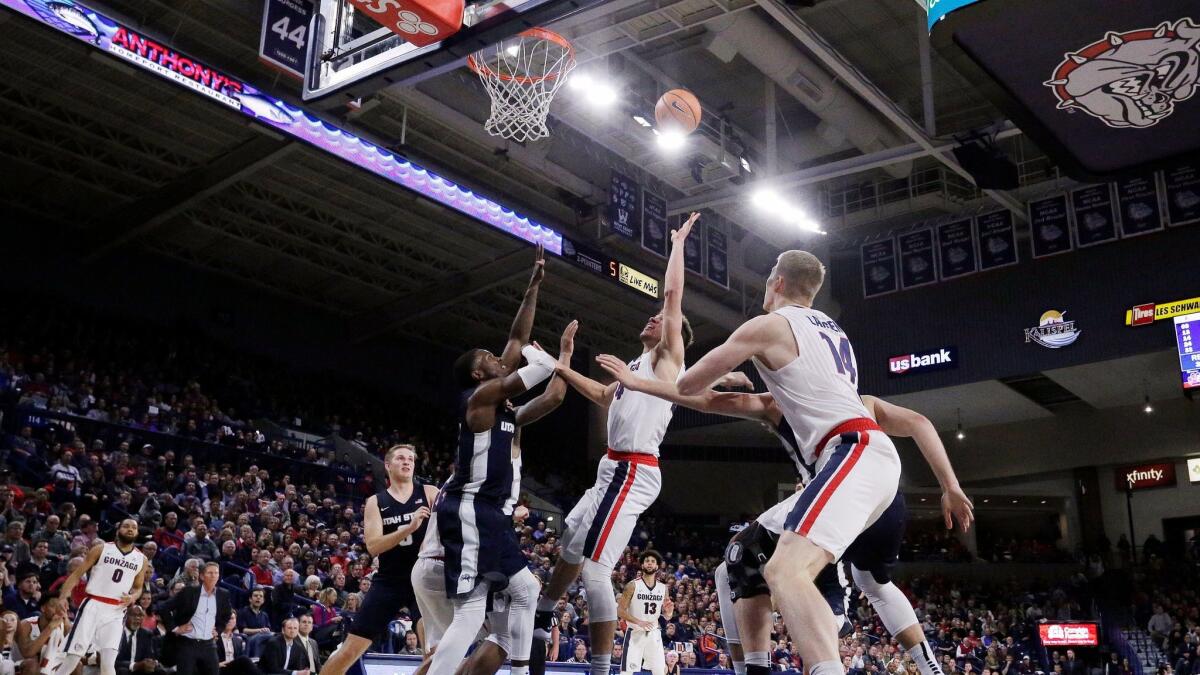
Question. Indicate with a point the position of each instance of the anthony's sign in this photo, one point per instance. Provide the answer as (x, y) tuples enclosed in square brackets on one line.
[(1142, 476)]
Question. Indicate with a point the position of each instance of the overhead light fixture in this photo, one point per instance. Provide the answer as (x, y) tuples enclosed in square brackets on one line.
[(767, 200), (592, 88), (746, 165), (960, 435), (642, 121), (670, 139), (1014, 501), (986, 500), (1147, 408), (513, 50), (1043, 501)]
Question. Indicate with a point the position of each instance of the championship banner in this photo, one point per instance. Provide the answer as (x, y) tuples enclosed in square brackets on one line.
[(718, 257), (1095, 222), (917, 264), (625, 206), (879, 268), (1050, 226), (654, 223), (956, 249), (693, 248), (283, 43), (997, 239), (1137, 201), (1182, 187)]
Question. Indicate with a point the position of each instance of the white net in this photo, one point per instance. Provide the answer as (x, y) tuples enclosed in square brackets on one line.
[(521, 75)]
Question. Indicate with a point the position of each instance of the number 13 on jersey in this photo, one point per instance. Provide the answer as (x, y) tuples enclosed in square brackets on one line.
[(843, 356)]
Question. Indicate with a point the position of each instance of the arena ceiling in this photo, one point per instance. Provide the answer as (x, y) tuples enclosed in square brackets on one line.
[(128, 159)]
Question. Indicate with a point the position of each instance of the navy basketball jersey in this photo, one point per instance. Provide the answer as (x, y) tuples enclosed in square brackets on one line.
[(804, 472), (397, 562), (483, 463)]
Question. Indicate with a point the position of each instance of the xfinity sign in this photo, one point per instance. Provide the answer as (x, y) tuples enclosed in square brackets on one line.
[(940, 358)]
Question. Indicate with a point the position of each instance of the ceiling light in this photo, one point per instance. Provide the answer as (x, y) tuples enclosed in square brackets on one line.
[(579, 81), (642, 121), (960, 435), (746, 165), (1148, 408), (1043, 501), (986, 501), (670, 140), (1014, 501), (601, 93), (513, 50), (549, 519), (767, 200)]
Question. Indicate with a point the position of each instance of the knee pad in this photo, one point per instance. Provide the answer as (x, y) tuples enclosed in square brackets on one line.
[(745, 557), (725, 598), (601, 598), (889, 602)]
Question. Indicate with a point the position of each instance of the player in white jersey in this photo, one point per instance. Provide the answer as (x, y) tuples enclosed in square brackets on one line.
[(642, 603), (627, 479), (116, 576), (41, 638), (809, 367)]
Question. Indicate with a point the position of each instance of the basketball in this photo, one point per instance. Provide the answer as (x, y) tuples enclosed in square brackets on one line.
[(678, 109)]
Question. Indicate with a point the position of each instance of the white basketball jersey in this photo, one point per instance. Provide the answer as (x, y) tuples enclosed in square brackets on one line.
[(647, 601), (637, 421), (113, 574), (819, 389), (53, 647)]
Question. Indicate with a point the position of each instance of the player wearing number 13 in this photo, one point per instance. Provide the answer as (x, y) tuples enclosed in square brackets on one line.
[(643, 601), (394, 522), (116, 576), (808, 365)]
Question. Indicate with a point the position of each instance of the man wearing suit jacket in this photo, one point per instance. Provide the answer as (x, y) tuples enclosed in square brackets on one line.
[(138, 653), (192, 619), (286, 653), (231, 652), (310, 645)]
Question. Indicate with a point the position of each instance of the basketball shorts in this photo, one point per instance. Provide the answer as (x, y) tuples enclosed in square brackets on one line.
[(98, 626), (479, 542), (429, 585), (855, 483), (600, 525), (380, 607), (643, 651)]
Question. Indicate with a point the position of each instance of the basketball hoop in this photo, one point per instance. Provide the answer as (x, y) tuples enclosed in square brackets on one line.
[(521, 75)]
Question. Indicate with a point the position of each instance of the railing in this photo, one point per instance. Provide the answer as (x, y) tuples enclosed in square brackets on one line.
[(838, 202)]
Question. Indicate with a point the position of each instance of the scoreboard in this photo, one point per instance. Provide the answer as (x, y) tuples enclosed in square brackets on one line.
[(1187, 337)]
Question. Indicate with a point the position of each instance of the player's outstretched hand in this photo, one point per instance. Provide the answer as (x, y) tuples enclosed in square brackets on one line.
[(617, 368), (679, 236), (566, 345), (957, 506), (520, 514), (736, 380), (539, 266)]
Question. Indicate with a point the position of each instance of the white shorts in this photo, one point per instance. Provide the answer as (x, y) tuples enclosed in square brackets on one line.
[(643, 650), (98, 626), (600, 525), (429, 586), (854, 486)]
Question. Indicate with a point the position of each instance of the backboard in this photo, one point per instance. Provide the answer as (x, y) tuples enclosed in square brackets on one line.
[(350, 56)]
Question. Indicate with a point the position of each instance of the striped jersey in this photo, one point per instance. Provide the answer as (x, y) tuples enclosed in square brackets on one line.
[(483, 463), (817, 390), (637, 421)]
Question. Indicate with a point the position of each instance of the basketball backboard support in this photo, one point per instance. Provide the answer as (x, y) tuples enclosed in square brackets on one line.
[(350, 56)]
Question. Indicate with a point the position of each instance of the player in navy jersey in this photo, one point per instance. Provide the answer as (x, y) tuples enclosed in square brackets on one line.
[(482, 555), (394, 522)]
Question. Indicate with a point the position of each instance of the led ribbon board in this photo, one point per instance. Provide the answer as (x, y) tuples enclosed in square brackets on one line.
[(84, 23)]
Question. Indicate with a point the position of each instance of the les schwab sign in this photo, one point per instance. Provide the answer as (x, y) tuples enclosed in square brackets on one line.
[(1142, 476), (1069, 634)]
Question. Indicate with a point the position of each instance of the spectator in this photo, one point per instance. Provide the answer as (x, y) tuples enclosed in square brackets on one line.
[(201, 546), (411, 646), (138, 652), (24, 598), (260, 572), (231, 652), (168, 535), (87, 536), (580, 655), (283, 597), (285, 654), (66, 478), (673, 663), (189, 573), (310, 645), (59, 544), (40, 563), (252, 620), (1160, 624)]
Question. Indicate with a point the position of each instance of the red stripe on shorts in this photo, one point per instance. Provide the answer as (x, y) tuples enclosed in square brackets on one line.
[(616, 510), (832, 485)]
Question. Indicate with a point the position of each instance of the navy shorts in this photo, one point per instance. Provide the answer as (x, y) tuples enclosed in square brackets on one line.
[(480, 544), (383, 602), (877, 549)]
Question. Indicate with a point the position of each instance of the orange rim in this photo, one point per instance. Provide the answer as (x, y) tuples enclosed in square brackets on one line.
[(540, 33)]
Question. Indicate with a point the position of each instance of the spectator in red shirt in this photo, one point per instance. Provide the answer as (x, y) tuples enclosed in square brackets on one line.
[(261, 569), (169, 535)]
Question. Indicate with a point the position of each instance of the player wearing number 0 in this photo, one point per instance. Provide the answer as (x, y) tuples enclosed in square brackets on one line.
[(394, 523), (116, 576), (808, 365), (641, 604)]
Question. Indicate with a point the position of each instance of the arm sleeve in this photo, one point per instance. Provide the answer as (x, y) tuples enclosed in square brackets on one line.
[(540, 366)]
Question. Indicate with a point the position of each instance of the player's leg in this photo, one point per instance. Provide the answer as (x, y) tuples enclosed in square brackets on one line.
[(370, 623), (746, 589), (429, 586), (485, 660), (654, 657), (469, 612), (850, 491), (523, 589), (631, 654), (570, 561), (729, 619)]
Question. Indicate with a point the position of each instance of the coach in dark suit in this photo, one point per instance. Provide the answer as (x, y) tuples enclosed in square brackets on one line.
[(192, 619), (286, 653), (138, 653)]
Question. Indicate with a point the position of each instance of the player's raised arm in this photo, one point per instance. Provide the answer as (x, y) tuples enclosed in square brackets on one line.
[(734, 404), (671, 344), (556, 391), (522, 327), (539, 367), (377, 542), (748, 340), (68, 586), (592, 390), (898, 421)]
